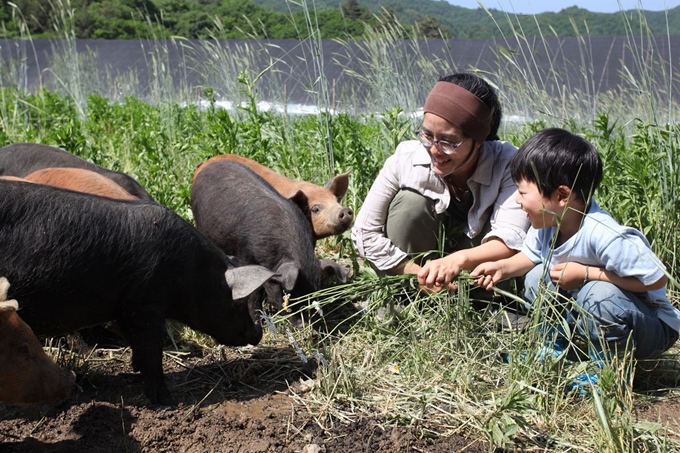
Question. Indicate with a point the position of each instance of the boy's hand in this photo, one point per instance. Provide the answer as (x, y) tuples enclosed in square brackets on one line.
[(569, 276), (489, 274)]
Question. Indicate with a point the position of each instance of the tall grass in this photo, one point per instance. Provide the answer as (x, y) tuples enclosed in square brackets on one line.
[(641, 180), (440, 365), (433, 362), (393, 69), (549, 91)]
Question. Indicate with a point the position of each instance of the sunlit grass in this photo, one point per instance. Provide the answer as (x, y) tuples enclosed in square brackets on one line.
[(384, 348), (432, 362)]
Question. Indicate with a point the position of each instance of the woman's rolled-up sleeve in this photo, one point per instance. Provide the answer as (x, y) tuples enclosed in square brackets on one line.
[(368, 233)]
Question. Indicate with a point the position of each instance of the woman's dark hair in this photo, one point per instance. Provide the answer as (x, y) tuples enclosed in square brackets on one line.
[(480, 88), (554, 157)]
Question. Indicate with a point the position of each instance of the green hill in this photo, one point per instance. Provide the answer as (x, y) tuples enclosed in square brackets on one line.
[(478, 23), (280, 19)]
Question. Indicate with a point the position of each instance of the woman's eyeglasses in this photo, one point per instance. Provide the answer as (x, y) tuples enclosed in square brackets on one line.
[(444, 146)]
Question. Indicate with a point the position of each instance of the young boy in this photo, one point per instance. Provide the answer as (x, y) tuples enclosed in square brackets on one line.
[(614, 281)]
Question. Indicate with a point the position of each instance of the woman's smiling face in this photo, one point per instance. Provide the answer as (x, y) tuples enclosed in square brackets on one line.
[(440, 129)]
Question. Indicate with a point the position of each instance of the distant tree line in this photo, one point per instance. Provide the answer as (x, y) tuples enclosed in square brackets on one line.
[(279, 19)]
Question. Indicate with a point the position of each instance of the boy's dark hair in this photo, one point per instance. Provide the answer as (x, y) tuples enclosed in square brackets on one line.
[(555, 157), (480, 88)]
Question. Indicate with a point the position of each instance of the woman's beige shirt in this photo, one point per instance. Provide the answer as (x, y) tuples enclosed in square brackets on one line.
[(410, 168)]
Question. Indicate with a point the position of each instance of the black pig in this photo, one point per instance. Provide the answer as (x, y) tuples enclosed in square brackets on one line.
[(22, 159), (246, 217), (78, 260)]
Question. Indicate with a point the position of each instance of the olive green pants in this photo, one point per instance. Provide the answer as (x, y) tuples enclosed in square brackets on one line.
[(414, 226)]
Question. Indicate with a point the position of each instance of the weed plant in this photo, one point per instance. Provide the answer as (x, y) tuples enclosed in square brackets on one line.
[(433, 362), (385, 349)]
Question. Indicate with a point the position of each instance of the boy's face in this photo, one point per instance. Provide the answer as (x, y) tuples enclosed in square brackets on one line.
[(540, 210)]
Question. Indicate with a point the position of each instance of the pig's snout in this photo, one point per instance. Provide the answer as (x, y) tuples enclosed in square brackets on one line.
[(345, 216), (52, 388)]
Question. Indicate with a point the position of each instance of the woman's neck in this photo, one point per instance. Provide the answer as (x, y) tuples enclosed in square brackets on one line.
[(459, 177)]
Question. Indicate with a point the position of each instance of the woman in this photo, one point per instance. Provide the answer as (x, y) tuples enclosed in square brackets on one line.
[(453, 180)]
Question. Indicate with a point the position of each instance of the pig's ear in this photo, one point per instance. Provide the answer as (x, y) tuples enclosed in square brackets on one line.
[(338, 185), (301, 200), (287, 275), (4, 287), (9, 305), (330, 268), (244, 280)]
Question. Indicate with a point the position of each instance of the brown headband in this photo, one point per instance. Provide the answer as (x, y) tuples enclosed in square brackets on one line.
[(461, 108)]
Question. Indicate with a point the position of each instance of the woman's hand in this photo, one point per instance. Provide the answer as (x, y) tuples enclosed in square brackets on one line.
[(409, 267), (440, 273), (451, 287)]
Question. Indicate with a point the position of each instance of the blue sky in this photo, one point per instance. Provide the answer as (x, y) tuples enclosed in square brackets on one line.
[(541, 6)]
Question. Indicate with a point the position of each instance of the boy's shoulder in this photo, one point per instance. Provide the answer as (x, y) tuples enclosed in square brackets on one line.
[(602, 227), (596, 216)]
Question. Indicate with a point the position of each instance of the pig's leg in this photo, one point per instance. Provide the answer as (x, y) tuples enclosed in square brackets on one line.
[(144, 331)]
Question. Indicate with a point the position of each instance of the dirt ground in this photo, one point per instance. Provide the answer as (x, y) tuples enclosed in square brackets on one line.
[(228, 400), (253, 411)]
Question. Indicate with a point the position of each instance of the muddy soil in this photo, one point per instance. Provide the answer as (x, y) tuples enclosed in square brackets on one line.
[(227, 400)]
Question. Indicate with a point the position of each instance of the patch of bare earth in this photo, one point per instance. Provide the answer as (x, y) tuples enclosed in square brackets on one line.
[(659, 382), (237, 400), (250, 411)]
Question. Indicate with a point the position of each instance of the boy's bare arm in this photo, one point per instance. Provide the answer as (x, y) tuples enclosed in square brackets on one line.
[(492, 272), (448, 268), (632, 284), (573, 275)]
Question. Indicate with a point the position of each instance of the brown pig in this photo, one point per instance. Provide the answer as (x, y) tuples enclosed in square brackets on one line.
[(21, 159), (80, 180), (328, 216), (27, 375), (76, 179)]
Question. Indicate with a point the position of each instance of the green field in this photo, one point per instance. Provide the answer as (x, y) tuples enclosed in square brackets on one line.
[(431, 361)]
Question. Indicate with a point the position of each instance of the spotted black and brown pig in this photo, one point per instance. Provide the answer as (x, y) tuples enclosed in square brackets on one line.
[(22, 159), (27, 374), (328, 216), (78, 260), (77, 179), (246, 217)]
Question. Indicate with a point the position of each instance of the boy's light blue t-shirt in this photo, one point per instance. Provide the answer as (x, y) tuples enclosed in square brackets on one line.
[(603, 242)]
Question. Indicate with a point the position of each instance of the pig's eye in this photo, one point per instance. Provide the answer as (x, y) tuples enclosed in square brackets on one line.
[(23, 350), (316, 209)]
